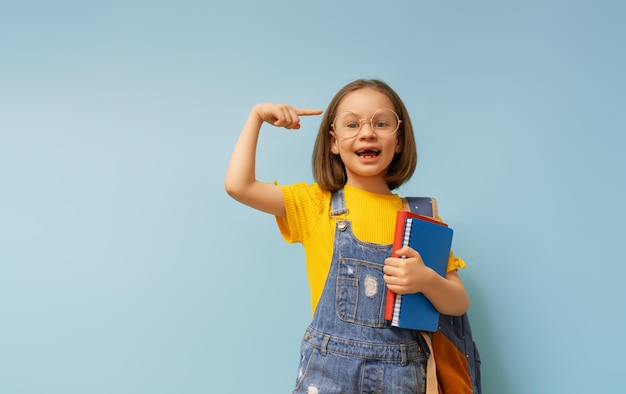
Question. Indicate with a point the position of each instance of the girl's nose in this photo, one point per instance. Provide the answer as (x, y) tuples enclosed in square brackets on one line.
[(366, 129)]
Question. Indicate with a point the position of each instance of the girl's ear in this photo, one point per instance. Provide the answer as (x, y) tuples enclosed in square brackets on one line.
[(398, 145), (334, 144)]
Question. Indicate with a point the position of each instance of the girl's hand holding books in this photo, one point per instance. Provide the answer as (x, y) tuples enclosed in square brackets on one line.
[(408, 274)]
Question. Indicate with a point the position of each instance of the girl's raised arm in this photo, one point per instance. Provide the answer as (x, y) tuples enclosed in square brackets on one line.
[(241, 182)]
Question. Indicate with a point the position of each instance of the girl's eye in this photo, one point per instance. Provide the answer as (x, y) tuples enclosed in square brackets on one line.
[(352, 125)]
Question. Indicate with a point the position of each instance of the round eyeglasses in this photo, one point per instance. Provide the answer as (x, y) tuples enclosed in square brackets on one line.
[(384, 122)]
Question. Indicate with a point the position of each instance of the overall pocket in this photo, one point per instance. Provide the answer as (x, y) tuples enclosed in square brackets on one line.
[(360, 292)]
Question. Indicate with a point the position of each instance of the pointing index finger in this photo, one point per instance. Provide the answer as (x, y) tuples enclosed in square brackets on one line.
[(307, 111)]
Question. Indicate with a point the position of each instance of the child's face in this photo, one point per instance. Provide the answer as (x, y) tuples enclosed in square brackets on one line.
[(367, 155)]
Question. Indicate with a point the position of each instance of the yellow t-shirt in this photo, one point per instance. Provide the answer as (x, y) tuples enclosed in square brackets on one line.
[(308, 221)]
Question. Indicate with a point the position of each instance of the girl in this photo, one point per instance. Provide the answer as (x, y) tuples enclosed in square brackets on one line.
[(365, 148)]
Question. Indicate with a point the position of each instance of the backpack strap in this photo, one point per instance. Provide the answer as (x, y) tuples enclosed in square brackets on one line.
[(458, 360), (426, 206)]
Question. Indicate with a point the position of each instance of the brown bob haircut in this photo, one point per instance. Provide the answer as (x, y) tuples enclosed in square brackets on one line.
[(329, 171)]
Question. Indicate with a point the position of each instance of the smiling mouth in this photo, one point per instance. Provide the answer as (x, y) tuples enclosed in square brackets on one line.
[(366, 153)]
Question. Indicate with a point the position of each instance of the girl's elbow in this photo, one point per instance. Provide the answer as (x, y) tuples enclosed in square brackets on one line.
[(461, 307), (232, 189), (456, 308)]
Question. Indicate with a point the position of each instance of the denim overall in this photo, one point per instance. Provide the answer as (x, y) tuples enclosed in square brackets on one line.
[(349, 347)]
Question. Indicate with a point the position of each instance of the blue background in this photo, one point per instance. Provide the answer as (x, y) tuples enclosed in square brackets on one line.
[(125, 267)]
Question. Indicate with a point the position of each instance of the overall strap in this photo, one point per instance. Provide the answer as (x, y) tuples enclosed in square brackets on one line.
[(338, 203)]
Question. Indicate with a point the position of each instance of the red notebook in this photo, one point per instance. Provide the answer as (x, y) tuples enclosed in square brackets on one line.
[(433, 240)]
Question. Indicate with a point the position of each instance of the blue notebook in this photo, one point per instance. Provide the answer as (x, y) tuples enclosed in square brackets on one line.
[(433, 240)]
